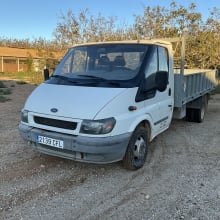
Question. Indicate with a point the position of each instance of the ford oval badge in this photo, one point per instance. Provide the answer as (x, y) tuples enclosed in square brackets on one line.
[(54, 110)]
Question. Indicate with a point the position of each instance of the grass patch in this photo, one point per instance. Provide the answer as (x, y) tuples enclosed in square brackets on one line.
[(2, 85), (21, 82), (27, 77), (5, 91), (4, 98)]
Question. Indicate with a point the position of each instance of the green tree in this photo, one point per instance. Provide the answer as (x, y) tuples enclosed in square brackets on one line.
[(30, 63)]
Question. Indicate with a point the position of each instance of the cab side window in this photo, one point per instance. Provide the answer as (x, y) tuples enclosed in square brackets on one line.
[(163, 59)]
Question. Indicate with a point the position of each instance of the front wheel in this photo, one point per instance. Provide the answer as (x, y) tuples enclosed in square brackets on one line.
[(137, 149)]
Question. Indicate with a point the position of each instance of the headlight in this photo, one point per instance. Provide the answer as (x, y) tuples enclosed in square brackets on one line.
[(24, 116), (103, 126)]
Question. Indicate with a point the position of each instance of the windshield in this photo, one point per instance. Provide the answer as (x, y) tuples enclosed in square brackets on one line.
[(107, 62)]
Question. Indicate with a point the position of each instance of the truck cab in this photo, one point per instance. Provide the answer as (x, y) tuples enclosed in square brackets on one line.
[(104, 103)]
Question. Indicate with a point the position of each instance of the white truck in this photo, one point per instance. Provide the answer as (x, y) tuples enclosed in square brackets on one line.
[(107, 101)]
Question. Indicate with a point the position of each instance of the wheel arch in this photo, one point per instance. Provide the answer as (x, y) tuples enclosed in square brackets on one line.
[(146, 123)]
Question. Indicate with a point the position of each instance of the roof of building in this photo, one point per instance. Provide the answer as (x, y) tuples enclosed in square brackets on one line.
[(25, 53)]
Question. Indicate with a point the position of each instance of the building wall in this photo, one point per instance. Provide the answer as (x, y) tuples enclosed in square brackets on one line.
[(23, 65), (17, 59), (1, 64), (10, 64), (13, 64)]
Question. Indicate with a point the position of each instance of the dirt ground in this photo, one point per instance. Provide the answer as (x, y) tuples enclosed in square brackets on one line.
[(180, 180)]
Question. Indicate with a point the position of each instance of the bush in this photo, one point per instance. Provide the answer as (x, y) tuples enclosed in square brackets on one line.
[(5, 91), (21, 82), (25, 77), (4, 99), (2, 85)]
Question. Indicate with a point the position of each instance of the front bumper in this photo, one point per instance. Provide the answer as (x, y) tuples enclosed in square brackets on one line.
[(79, 148)]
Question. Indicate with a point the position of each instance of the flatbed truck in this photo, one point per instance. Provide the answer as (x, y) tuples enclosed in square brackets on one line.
[(107, 101)]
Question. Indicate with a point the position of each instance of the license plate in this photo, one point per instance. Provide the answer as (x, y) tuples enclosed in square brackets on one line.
[(50, 141)]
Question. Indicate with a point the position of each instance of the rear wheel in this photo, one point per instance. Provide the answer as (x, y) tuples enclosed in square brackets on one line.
[(197, 114), (137, 149), (190, 114), (200, 113)]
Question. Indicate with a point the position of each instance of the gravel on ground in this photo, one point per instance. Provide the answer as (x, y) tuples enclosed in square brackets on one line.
[(180, 180)]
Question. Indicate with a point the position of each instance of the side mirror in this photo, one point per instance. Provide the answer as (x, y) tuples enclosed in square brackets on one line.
[(161, 80), (157, 81), (46, 74), (150, 83)]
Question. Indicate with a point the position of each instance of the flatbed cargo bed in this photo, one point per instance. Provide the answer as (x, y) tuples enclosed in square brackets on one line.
[(192, 85)]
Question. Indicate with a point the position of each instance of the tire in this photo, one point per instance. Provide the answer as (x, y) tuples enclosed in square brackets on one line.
[(190, 114), (200, 113), (137, 149), (197, 115)]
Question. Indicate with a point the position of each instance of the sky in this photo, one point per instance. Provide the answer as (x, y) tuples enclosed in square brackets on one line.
[(38, 18)]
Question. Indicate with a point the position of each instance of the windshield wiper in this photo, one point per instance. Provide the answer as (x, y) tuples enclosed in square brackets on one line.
[(64, 78), (103, 80), (113, 82), (92, 77), (99, 80), (60, 77)]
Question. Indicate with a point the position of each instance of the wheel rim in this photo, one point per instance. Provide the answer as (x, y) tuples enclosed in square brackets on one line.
[(139, 149)]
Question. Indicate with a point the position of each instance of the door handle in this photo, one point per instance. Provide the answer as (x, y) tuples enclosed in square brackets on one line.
[(170, 106), (169, 92)]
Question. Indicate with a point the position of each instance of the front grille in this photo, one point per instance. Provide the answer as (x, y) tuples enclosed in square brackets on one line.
[(55, 123)]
